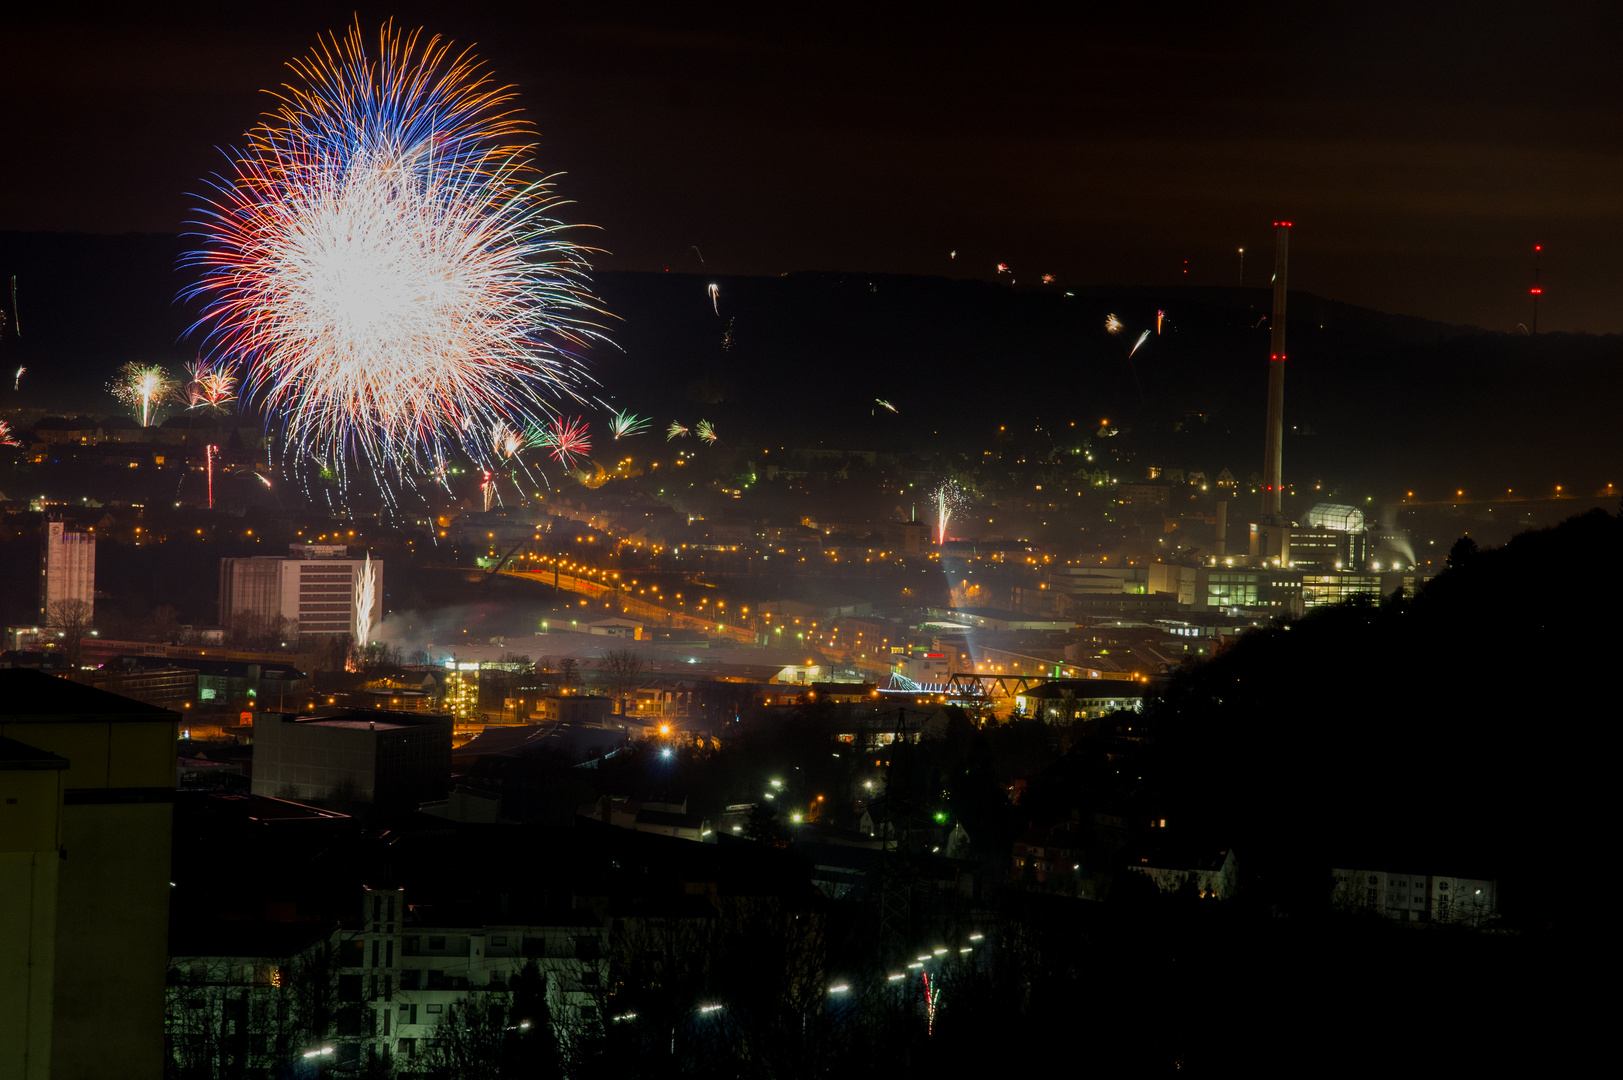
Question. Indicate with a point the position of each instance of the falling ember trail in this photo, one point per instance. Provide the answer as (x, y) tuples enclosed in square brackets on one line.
[(715, 298), (209, 453)]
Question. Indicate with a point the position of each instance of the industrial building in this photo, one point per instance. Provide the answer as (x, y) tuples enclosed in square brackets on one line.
[(318, 586), (393, 760), (87, 788)]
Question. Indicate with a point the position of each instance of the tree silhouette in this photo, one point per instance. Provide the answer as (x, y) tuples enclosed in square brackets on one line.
[(69, 620)]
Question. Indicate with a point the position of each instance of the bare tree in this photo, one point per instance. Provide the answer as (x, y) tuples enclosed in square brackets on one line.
[(568, 671), (263, 633), (622, 672), (164, 624), (69, 621)]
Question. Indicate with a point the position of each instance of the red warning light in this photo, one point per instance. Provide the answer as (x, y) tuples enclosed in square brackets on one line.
[(1538, 247), (1538, 292)]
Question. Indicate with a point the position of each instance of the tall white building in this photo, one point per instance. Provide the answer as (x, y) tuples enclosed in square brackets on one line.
[(317, 585), (67, 567)]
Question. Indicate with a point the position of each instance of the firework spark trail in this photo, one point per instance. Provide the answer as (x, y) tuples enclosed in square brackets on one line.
[(675, 431), (565, 439), (263, 479), (885, 403), (208, 386), (366, 587), (715, 298), (17, 383), (6, 437), (16, 319), (1142, 338), (948, 498), (625, 424), (384, 263), (706, 431), (1112, 324), (141, 386), (1159, 317)]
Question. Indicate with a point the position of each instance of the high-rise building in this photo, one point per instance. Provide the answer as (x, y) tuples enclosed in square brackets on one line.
[(67, 568), (318, 586)]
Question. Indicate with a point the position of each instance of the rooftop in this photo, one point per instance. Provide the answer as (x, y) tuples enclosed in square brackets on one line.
[(30, 695), (16, 755)]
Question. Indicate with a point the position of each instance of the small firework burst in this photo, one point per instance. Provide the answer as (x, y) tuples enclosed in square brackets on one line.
[(208, 386), (505, 441), (706, 431), (1112, 325), (565, 439), (625, 424), (676, 431)]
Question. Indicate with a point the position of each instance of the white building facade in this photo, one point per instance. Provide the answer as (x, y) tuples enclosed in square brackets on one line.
[(67, 567), (318, 586), (1411, 897)]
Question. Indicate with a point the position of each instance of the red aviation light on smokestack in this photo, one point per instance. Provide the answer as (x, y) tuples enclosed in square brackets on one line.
[(1273, 457), (1538, 292)]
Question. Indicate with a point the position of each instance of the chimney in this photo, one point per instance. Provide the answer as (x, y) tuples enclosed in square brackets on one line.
[(1272, 457)]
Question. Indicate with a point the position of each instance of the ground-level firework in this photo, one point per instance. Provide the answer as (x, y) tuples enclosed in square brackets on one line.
[(948, 498), (143, 387), (384, 264)]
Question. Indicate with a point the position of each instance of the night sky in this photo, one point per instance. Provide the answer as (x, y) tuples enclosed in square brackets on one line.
[(1421, 149)]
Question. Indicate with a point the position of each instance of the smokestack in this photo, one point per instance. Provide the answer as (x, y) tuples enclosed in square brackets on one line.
[(1273, 456)]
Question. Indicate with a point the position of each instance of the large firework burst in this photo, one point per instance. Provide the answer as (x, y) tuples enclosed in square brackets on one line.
[(384, 261)]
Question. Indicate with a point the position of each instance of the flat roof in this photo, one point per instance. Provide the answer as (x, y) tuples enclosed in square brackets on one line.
[(367, 719)]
